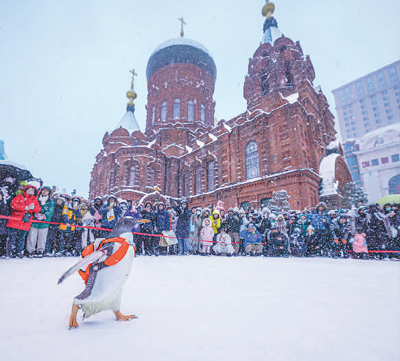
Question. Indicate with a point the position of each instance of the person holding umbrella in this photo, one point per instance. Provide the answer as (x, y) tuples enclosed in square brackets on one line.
[(23, 206)]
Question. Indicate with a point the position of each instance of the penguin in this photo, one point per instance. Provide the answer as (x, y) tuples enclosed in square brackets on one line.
[(105, 267)]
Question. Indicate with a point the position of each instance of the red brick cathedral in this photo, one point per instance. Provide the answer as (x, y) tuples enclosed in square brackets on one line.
[(284, 140)]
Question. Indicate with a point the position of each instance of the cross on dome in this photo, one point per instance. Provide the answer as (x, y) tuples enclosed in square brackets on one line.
[(182, 20)]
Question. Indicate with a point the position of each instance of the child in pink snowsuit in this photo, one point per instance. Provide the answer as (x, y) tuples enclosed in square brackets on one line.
[(360, 248), (206, 235)]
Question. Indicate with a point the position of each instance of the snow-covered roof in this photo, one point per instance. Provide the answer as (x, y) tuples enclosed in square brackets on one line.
[(292, 98), (333, 144), (270, 35), (15, 164), (181, 41), (128, 122), (390, 133), (327, 173)]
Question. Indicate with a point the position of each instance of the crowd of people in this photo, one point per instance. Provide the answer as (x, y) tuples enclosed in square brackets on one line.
[(40, 222)]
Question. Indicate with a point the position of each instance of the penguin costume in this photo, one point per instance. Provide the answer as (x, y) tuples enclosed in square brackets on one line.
[(105, 267)]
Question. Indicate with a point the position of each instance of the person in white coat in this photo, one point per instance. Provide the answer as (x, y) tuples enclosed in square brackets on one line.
[(224, 242), (206, 236)]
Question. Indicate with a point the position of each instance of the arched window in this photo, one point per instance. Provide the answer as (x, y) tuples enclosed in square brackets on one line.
[(264, 82), (210, 176), (198, 180), (177, 109), (186, 184), (252, 164), (132, 176), (190, 111), (288, 73), (203, 113), (164, 111), (151, 177), (153, 115), (394, 184)]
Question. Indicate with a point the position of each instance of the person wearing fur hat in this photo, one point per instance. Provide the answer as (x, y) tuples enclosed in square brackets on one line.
[(37, 236), (23, 207)]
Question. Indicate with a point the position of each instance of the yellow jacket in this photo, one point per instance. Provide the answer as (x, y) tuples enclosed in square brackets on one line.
[(215, 223)]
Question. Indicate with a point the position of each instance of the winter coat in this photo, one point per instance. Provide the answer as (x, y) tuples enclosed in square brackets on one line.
[(378, 232), (277, 240), (206, 234), (48, 211), (18, 205), (57, 214), (195, 223), (224, 244), (303, 226), (215, 222), (250, 237), (233, 223), (9, 192), (147, 227), (70, 216), (264, 226), (109, 219), (341, 230), (320, 221), (361, 223), (162, 220), (183, 222), (3, 212), (131, 213), (359, 244)]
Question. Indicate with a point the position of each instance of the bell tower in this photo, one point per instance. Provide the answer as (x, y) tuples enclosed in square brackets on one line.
[(277, 66)]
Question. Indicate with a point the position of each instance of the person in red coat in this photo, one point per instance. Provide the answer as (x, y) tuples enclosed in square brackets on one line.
[(23, 206)]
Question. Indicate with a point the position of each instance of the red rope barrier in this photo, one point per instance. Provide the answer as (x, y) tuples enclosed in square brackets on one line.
[(151, 234)]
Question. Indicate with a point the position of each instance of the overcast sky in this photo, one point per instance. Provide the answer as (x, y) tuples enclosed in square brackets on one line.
[(64, 65)]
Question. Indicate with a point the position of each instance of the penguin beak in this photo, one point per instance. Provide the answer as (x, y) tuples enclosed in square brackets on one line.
[(143, 221)]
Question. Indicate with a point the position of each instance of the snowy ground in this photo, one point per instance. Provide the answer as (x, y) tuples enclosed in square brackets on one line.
[(208, 308)]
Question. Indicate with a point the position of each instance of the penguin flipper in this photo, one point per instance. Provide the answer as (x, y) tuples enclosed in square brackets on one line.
[(82, 264)]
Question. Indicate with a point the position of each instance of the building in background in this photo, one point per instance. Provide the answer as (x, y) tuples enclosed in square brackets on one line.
[(379, 162), (280, 142), (368, 111), (369, 103), (3, 155)]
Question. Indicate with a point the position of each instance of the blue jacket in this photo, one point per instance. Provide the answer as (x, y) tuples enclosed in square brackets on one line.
[(250, 238), (162, 220), (109, 223), (183, 224), (317, 220)]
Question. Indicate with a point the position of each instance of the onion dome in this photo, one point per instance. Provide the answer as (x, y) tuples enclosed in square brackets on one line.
[(128, 121), (181, 51)]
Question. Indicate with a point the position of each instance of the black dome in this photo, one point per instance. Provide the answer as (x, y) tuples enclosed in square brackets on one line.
[(181, 51)]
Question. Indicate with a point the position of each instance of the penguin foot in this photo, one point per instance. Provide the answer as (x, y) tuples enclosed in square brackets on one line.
[(121, 317), (72, 319)]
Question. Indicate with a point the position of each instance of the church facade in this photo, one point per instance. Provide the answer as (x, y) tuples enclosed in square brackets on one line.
[(278, 143)]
